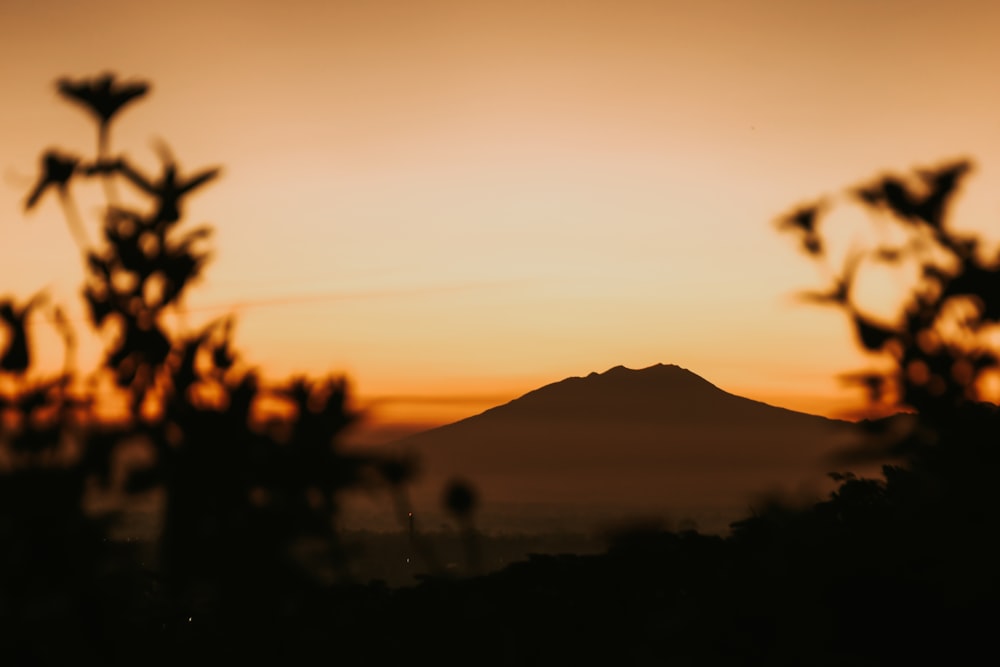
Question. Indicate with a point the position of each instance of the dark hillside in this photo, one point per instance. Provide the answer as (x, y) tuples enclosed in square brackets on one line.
[(657, 439)]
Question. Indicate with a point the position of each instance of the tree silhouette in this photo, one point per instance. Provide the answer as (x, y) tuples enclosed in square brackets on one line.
[(922, 532), (933, 353), (244, 497)]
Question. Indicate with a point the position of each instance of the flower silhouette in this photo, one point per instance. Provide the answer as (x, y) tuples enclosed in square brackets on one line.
[(102, 96)]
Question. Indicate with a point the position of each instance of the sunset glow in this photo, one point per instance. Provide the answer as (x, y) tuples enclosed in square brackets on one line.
[(456, 202)]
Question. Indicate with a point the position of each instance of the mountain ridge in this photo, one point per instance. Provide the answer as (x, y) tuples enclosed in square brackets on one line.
[(630, 439), (617, 374)]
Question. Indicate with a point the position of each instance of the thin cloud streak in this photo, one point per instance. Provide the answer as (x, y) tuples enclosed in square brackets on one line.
[(333, 295), (441, 399), (337, 295)]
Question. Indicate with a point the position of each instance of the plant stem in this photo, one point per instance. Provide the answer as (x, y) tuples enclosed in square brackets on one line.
[(103, 142), (74, 222)]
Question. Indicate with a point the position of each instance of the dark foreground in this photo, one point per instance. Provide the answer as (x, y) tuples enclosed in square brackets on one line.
[(853, 581)]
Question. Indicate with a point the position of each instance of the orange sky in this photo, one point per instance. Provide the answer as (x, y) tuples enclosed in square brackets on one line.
[(459, 201)]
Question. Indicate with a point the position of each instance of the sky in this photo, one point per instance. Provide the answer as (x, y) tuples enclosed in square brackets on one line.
[(454, 202)]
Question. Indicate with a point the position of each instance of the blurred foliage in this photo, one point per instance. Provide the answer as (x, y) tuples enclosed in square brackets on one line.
[(934, 353), (249, 566), (245, 498), (939, 341)]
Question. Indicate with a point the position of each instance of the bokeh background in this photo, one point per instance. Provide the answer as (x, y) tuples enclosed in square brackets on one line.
[(455, 202)]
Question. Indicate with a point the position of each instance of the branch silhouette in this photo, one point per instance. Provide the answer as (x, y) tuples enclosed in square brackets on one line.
[(244, 497)]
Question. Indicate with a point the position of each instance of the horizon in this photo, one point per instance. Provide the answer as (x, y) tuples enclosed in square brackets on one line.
[(381, 432), (456, 205)]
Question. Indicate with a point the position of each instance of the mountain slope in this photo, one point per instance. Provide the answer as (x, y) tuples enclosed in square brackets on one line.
[(656, 439)]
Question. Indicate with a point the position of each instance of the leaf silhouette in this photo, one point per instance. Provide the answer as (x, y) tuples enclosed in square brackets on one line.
[(840, 292), (803, 221), (942, 183), (912, 206), (169, 189), (57, 170), (17, 357), (873, 336)]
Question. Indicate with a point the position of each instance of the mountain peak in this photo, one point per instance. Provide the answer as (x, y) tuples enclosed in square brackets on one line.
[(655, 436), (621, 391), (661, 374), (655, 368)]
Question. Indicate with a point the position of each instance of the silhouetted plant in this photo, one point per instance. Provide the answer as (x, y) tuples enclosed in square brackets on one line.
[(460, 500), (52, 551), (934, 353), (250, 503), (932, 358)]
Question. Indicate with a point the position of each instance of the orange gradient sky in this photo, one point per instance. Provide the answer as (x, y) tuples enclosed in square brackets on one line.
[(456, 201)]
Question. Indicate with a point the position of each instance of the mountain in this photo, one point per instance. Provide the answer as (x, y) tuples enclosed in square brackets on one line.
[(627, 442)]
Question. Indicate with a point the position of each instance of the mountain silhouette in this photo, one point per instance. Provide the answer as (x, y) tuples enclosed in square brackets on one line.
[(660, 439)]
